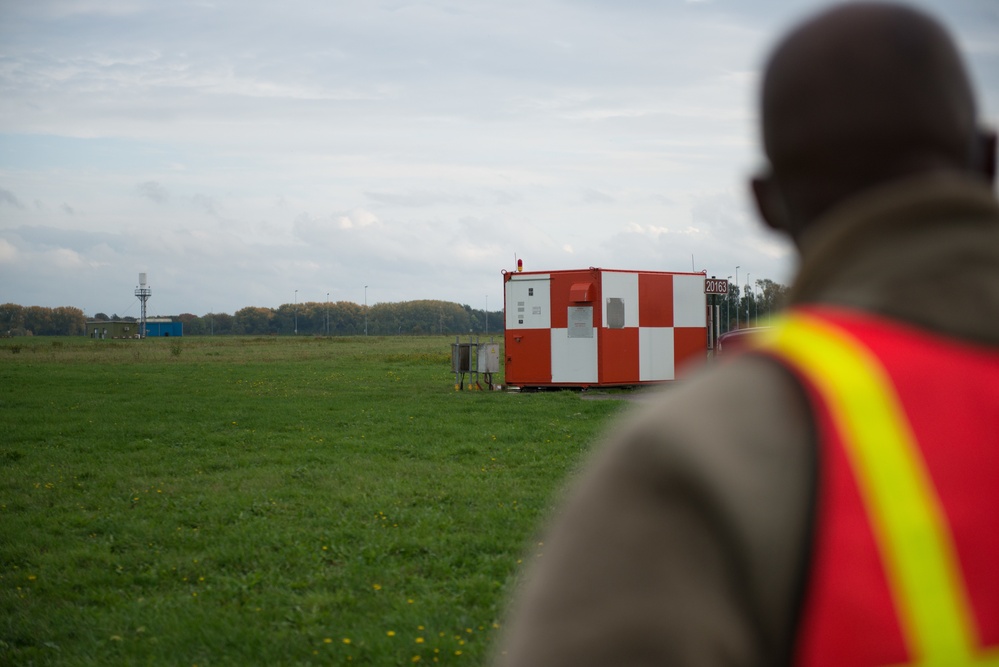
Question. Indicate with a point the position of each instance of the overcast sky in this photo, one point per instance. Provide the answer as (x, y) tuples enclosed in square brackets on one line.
[(239, 151)]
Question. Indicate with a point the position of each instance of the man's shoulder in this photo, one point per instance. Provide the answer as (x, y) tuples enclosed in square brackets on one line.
[(746, 395), (742, 422)]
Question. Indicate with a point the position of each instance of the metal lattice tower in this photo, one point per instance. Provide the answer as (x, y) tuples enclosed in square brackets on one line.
[(143, 292)]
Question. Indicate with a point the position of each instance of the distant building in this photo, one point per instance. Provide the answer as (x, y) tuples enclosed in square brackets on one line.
[(163, 326), (117, 329), (155, 327)]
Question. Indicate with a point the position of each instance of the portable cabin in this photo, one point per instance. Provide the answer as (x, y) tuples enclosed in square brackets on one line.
[(602, 327), (104, 329)]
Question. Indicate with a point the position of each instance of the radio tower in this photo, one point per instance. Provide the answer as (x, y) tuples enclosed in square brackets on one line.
[(143, 293)]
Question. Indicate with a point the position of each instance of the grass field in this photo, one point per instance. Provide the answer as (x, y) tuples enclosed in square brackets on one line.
[(268, 501)]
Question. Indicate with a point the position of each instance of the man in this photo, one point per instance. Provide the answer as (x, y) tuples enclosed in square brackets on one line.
[(830, 498)]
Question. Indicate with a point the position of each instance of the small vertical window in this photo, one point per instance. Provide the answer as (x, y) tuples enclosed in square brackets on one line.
[(615, 313)]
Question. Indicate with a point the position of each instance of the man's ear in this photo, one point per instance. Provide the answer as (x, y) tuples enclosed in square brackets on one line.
[(769, 203), (985, 155)]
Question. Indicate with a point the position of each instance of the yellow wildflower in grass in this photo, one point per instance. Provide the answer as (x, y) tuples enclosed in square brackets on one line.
[(346, 640), (377, 587), (328, 640), (419, 640), (390, 633), (416, 658)]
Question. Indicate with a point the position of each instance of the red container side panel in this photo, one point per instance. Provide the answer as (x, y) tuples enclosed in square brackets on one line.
[(655, 300), (528, 356), (689, 344), (619, 362), (562, 293)]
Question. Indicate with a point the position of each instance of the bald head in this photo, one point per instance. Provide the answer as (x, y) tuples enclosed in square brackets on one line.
[(859, 95)]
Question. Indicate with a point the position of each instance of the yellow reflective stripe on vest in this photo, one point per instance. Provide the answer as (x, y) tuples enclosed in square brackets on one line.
[(905, 513)]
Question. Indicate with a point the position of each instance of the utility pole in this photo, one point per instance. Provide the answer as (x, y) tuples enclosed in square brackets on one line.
[(143, 292), (737, 297), (728, 322)]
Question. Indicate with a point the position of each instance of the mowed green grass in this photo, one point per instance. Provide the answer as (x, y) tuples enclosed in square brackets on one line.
[(267, 501)]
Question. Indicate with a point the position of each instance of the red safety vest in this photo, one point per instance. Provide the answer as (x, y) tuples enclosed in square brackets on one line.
[(905, 560)]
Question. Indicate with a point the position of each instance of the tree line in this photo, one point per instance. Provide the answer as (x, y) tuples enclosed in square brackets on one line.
[(739, 309), (341, 318), (18, 320), (345, 318)]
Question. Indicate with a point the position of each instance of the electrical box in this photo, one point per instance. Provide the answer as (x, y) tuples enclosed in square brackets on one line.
[(489, 358)]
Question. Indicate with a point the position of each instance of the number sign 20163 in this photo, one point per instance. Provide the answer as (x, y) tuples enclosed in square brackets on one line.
[(715, 286)]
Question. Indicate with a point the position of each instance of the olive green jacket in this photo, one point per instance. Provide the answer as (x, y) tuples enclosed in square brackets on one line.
[(686, 541)]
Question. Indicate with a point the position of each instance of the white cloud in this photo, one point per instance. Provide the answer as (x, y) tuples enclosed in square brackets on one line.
[(64, 259), (651, 231), (207, 203), (153, 191), (357, 219), (7, 197), (8, 253)]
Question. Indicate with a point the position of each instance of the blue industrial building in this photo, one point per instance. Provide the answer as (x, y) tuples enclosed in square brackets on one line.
[(163, 327)]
